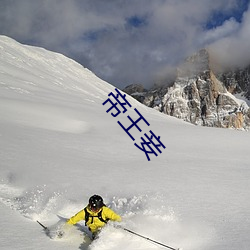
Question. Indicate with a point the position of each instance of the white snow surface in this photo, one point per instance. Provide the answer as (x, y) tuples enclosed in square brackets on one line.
[(58, 146)]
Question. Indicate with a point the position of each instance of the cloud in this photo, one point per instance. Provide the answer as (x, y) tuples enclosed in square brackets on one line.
[(126, 42), (233, 49), (228, 28)]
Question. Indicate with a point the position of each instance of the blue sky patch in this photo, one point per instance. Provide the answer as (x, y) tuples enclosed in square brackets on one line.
[(136, 21), (219, 17)]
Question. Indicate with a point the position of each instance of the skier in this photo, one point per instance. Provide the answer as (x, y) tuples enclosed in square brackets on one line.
[(95, 214)]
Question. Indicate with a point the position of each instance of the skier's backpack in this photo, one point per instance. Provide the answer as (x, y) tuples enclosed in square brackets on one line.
[(88, 216)]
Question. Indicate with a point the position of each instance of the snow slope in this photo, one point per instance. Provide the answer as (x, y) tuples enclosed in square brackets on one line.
[(58, 146)]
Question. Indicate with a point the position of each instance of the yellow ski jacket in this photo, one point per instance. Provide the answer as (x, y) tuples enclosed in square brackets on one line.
[(94, 223)]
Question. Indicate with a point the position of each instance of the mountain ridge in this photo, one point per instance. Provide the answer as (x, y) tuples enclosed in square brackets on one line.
[(201, 95)]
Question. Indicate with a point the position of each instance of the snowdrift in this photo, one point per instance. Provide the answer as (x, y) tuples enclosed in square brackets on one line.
[(59, 146)]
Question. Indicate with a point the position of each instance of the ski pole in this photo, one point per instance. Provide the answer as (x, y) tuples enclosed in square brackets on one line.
[(146, 238), (45, 228)]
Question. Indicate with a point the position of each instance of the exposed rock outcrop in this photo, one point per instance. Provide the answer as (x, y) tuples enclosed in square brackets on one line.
[(201, 97)]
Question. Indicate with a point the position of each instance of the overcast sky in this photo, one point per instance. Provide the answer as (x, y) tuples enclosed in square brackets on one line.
[(131, 41)]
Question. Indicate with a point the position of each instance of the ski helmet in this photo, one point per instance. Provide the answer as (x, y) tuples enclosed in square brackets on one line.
[(95, 202)]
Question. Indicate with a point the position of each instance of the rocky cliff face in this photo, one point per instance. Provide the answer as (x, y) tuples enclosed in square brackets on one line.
[(237, 81), (201, 97)]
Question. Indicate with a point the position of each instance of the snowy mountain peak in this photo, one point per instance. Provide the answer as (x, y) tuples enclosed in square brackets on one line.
[(200, 96), (194, 65)]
